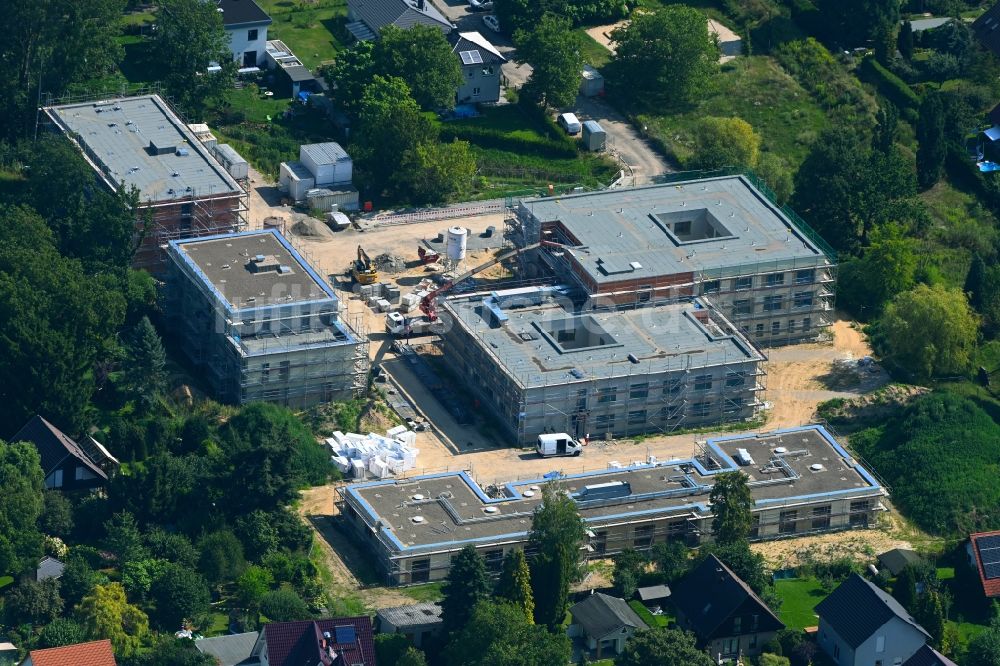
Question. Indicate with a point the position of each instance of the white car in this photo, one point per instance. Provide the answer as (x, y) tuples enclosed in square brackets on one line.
[(491, 22)]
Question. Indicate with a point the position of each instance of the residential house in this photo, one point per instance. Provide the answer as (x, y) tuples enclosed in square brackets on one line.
[(8, 653), (246, 27), (928, 656), (604, 622), (231, 650), (416, 622), (366, 18), (727, 617), (49, 567), (861, 625), (343, 641), (95, 653), (897, 559), (985, 28), (984, 551), (65, 464), (481, 63)]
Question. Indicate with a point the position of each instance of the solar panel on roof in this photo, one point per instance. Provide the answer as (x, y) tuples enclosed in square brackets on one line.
[(989, 555), (992, 570), (344, 634), (988, 542), (471, 57)]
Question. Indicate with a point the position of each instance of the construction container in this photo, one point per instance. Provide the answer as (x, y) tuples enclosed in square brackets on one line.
[(594, 136), (295, 179), (591, 83), (328, 163), (338, 221), (231, 161)]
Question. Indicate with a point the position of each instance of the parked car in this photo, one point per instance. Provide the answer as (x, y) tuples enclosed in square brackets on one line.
[(480, 5), (491, 22), (569, 122), (557, 444)]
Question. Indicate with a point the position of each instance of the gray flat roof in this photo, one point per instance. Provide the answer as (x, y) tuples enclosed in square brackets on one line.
[(324, 153), (624, 233), (116, 135), (414, 615), (453, 508), (662, 338), (228, 264)]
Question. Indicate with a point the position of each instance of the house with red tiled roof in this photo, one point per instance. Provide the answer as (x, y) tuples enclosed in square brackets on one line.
[(984, 551), (342, 641), (95, 653)]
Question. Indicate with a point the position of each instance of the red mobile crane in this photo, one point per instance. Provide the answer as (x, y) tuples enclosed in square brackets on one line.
[(427, 303)]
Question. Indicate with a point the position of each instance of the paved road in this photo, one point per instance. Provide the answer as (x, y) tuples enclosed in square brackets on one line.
[(623, 140)]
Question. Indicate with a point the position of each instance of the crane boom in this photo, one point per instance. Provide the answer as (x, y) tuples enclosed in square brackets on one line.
[(427, 302)]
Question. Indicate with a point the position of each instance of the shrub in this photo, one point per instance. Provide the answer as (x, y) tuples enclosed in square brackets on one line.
[(888, 84), (489, 137)]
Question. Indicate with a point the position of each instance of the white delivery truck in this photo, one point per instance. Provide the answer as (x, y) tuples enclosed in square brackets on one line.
[(558, 444)]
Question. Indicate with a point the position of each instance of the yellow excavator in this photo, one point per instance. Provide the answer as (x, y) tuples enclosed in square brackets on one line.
[(363, 271)]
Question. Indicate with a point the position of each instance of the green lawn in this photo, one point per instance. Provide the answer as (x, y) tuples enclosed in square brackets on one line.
[(647, 617), (219, 625), (424, 593), (314, 30), (967, 630), (594, 53), (760, 92), (5, 581), (799, 597)]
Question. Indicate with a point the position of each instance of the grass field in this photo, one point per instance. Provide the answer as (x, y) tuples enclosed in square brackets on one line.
[(760, 92), (799, 597), (593, 52), (313, 30), (5, 581), (647, 617), (424, 593)]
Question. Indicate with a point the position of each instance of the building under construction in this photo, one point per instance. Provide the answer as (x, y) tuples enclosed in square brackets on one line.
[(719, 237), (141, 142), (261, 323), (541, 364), (802, 481)]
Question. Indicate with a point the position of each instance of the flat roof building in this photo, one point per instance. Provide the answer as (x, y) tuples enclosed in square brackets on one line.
[(141, 142), (541, 364), (261, 322), (802, 481), (720, 237)]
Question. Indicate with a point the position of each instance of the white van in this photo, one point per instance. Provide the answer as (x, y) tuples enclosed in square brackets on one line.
[(557, 444), (569, 122)]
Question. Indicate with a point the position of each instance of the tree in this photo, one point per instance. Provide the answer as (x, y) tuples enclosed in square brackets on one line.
[(389, 123), (553, 50), (145, 370), (931, 150), (629, 567), (58, 321), (258, 535), (20, 506), (171, 547), (77, 581), (722, 142), (105, 613), (928, 331), (905, 588), (190, 36), (251, 587), (515, 583), (773, 660), (929, 613), (284, 605), (904, 43), (557, 532), (351, 72), (664, 57), (975, 281), (887, 122), (732, 508), (221, 558), (671, 559), (61, 631), (49, 47), (31, 602), (851, 23), (123, 538), (57, 515), (170, 651), (498, 634), (178, 594), (669, 647), (467, 585), (138, 576), (775, 173), (421, 56), (412, 657), (984, 649), (433, 173), (887, 268)]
